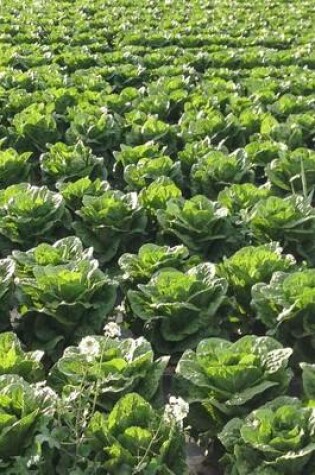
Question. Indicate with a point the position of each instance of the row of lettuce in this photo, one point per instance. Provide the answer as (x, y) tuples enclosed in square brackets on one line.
[(115, 222), (157, 236), (53, 294)]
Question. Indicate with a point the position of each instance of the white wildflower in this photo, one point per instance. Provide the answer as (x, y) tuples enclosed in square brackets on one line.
[(90, 347), (33, 460), (176, 410), (112, 330)]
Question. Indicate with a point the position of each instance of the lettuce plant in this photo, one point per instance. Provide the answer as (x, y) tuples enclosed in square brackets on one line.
[(145, 128), (109, 222), (198, 124), (305, 123), (62, 252), (193, 152), (26, 410), (6, 291), (156, 195), (276, 439), (286, 307), (14, 167), (179, 308), (291, 221), (122, 102), (59, 304), (139, 268), (108, 368), (216, 170), (14, 360), (69, 162), (221, 379), (128, 155), (293, 171), (146, 170), (74, 192), (261, 153), (155, 103), (251, 265), (200, 224), (288, 104), (134, 438), (29, 214), (95, 126), (35, 127), (240, 197)]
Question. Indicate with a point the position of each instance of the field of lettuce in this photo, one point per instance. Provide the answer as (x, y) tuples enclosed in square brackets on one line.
[(157, 237)]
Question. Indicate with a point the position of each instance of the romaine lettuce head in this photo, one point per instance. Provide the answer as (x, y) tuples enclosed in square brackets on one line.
[(251, 265), (69, 162), (61, 303), (201, 123), (144, 128), (308, 380), (14, 360), (139, 268), (216, 170), (95, 126), (146, 170), (222, 379), (35, 127), (74, 192), (293, 171), (286, 306), (192, 152), (156, 196), (276, 439), (262, 152), (131, 155), (135, 438), (240, 197), (30, 213), (200, 224), (109, 368), (179, 308), (291, 221), (109, 222), (64, 251), (14, 167), (24, 408)]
